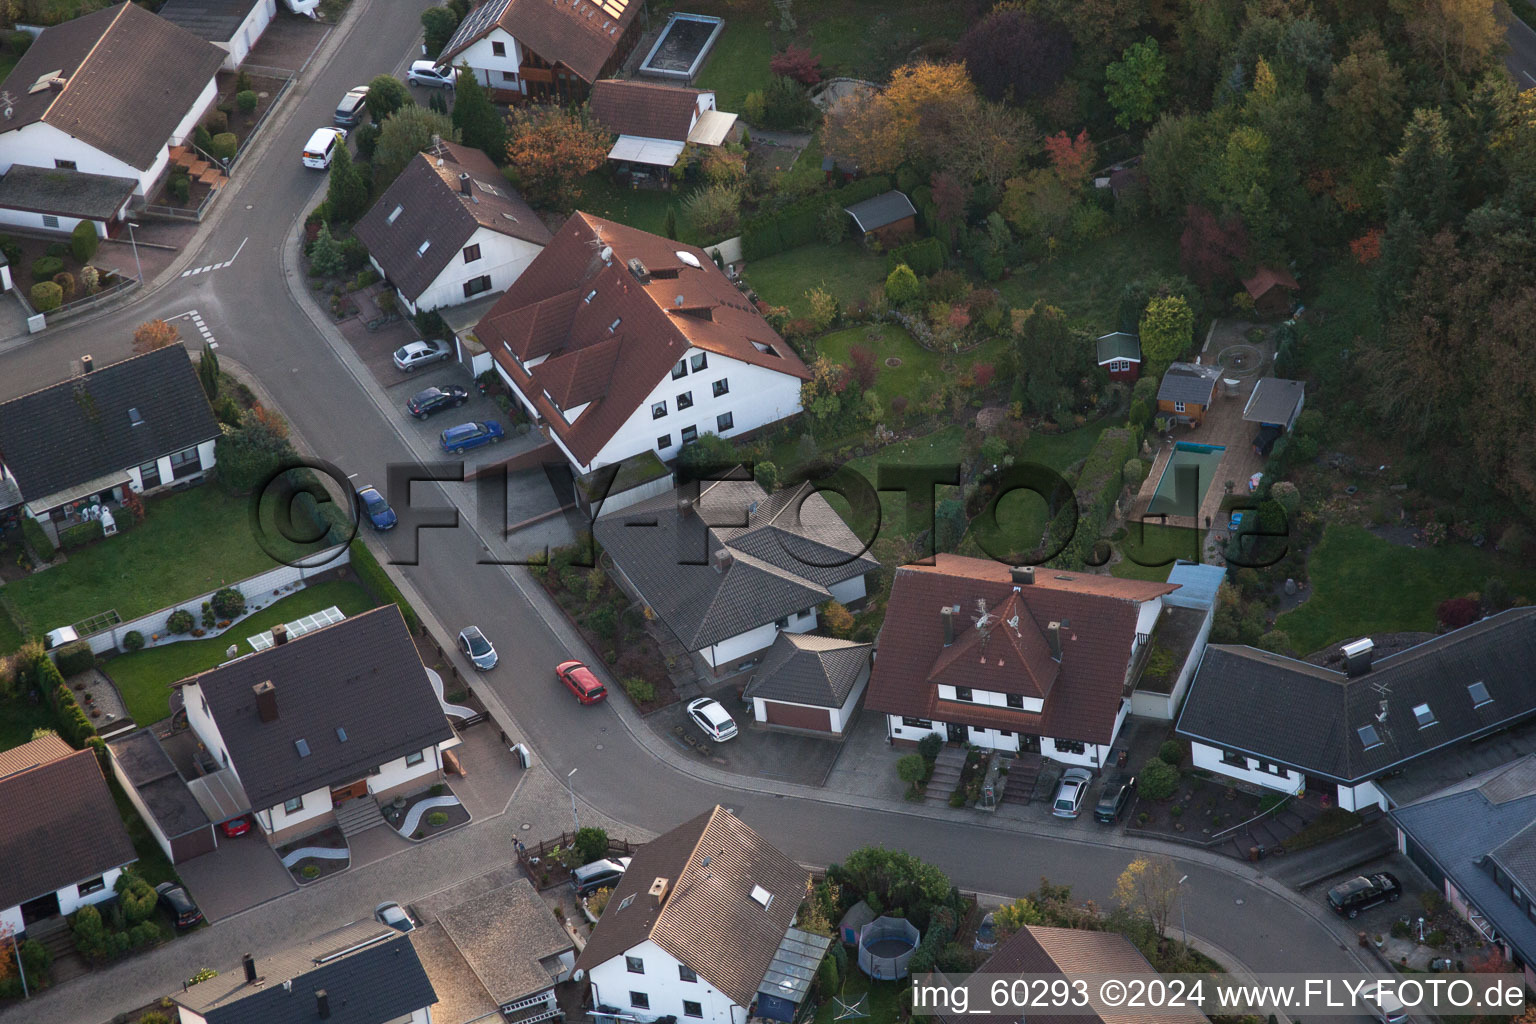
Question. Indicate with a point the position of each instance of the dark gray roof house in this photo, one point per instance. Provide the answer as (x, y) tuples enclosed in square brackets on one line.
[(364, 973), (881, 211), (1189, 382), (214, 20), (344, 699), (734, 558), (83, 435), (1476, 840), (802, 668), (1275, 401), (76, 194), (1372, 718)]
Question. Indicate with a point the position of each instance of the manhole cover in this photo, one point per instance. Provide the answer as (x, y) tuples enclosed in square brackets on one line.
[(599, 746), (893, 362), (525, 826)]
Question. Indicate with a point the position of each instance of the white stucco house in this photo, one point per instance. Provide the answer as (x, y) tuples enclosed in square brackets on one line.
[(531, 49), (727, 566), (809, 682), (64, 844), (701, 928), (139, 425), (1022, 660), (618, 342), (93, 97), (450, 229), (317, 729), (231, 25)]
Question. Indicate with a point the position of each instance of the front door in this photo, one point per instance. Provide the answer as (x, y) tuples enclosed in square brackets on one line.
[(1028, 743), (351, 791), (958, 733), (40, 909)]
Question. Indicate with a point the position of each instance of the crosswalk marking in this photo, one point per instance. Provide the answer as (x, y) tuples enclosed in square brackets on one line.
[(216, 266), (197, 321)]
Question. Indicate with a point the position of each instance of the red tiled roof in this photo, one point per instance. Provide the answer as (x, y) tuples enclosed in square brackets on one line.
[(646, 109), (1268, 277), (569, 300), (1082, 696)]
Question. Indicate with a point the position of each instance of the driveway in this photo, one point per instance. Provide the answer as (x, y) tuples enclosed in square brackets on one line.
[(242, 873), (289, 42)]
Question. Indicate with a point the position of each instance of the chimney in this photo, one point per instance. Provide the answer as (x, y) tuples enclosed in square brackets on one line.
[(1357, 657), (1022, 575), (279, 635), (322, 1004), (658, 890), (947, 615), (87, 364), (266, 700), (722, 560), (1053, 634), (464, 183), (684, 506), (250, 968)]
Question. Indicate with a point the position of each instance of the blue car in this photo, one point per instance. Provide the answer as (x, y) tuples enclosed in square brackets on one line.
[(375, 507), (471, 435)]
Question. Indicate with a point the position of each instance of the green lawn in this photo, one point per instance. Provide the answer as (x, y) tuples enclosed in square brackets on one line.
[(846, 269), (10, 636), (887, 341), (1155, 545), (739, 62), (1086, 282), (1361, 584), (189, 543), (144, 677), (1021, 514), (882, 1004), (643, 208), (19, 717)]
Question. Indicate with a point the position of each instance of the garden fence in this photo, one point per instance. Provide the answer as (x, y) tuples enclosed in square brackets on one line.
[(89, 302), (180, 212)]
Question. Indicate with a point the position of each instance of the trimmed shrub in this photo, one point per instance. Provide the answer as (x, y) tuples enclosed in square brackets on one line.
[(74, 658), (925, 257), (66, 282), (592, 844), (1171, 752), (224, 146), (180, 188), (83, 241), (640, 691), (44, 267), (136, 896), (228, 603), (930, 745), (217, 123), (246, 101), (133, 640), (1158, 779), (37, 538), (437, 819), (180, 621), (47, 296), (80, 534), (202, 138)]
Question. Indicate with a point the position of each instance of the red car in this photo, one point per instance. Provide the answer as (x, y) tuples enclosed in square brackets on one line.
[(580, 681), (235, 827)]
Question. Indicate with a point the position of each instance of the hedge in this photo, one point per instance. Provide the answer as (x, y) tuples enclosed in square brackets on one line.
[(37, 538), (925, 257), (799, 223), (74, 658), (377, 580), (80, 534), (83, 241), (74, 726)]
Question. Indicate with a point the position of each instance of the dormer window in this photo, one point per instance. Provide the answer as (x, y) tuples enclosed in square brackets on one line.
[(394, 214)]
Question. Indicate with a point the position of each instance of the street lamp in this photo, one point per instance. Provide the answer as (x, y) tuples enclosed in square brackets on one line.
[(1183, 925), (136, 263), (574, 820)]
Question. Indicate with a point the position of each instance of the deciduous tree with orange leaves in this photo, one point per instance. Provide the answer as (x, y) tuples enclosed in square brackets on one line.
[(916, 115), (153, 334), (549, 148)]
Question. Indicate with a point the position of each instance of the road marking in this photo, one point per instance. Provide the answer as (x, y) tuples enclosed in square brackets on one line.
[(197, 321), (1527, 74), (216, 266)]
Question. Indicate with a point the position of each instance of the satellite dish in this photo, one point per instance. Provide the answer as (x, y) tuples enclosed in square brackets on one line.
[(689, 258)]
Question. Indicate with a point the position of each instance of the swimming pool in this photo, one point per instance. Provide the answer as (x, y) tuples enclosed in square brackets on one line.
[(1180, 490)]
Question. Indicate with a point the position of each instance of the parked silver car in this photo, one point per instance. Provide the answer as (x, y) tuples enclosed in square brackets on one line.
[(1071, 793)]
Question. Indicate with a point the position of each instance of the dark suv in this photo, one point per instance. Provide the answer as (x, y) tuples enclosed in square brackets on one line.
[(1362, 893), (1116, 795)]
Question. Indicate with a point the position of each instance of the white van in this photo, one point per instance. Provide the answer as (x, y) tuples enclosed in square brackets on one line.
[(320, 150)]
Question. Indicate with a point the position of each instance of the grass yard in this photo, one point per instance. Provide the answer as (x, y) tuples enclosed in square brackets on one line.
[(10, 635), (189, 543), (1362, 584), (1086, 282), (144, 677), (739, 62), (1154, 545), (19, 717), (643, 208), (1021, 515), (887, 341), (846, 269), (882, 999)]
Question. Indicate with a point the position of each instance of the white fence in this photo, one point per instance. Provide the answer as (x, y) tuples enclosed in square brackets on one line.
[(258, 591)]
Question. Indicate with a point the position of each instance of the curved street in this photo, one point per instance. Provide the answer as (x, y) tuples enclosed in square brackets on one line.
[(257, 310)]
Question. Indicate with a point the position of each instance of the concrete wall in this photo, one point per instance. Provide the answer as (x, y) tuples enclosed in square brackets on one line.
[(1357, 798), (502, 257), (612, 983), (848, 591), (1203, 755), (207, 730), (396, 776), (45, 222), (238, 46), (838, 718), (40, 145), (281, 825), (205, 461), (987, 698)]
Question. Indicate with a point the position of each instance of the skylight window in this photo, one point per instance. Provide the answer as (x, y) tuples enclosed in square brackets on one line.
[(1368, 737), (341, 733), (421, 250), (1425, 716), (626, 901), (590, 295), (394, 214), (302, 746), (134, 419), (762, 896), (615, 325), (1478, 691)]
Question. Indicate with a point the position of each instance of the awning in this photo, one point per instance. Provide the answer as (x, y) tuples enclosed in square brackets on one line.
[(635, 150), (219, 795), (713, 127), (87, 489)]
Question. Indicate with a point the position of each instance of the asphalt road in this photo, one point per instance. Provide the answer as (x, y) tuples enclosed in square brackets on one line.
[(1521, 58), (333, 405)]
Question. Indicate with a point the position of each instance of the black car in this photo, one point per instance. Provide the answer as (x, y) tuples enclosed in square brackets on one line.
[(425, 403), (600, 874), (1362, 893), (1114, 798), (176, 899)]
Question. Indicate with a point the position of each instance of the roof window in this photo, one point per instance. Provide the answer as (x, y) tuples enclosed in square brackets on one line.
[(615, 325), (590, 295), (302, 746), (1368, 737), (1425, 716), (762, 896), (421, 250), (394, 214), (1478, 691)]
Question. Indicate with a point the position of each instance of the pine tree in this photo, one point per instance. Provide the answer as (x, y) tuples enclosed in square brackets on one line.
[(477, 118), (347, 195), (208, 372), (671, 227)]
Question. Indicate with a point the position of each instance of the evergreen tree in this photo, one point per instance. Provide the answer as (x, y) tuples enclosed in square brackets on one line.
[(477, 118), (1423, 172), (347, 195), (670, 230), (208, 372)]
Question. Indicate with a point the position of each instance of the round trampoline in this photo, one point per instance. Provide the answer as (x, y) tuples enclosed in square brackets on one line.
[(886, 945)]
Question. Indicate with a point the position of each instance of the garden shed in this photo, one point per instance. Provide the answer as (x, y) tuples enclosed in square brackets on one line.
[(887, 218), (1272, 292)]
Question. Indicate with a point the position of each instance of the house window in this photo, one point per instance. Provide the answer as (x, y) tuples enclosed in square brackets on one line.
[(478, 285), (94, 885), (1178, 406), (685, 973), (725, 421), (1004, 733), (64, 165), (917, 723), (1271, 769), (205, 704), (1233, 758), (692, 1009), (1069, 746), (640, 1000), (721, 387), (296, 804), (50, 221), (658, 410), (685, 400), (471, 253), (698, 361), (963, 693), (690, 434), (498, 49), (149, 475), (680, 370), (414, 758), (664, 442), (1015, 701), (782, 622), (509, 76), (634, 965), (184, 463)]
